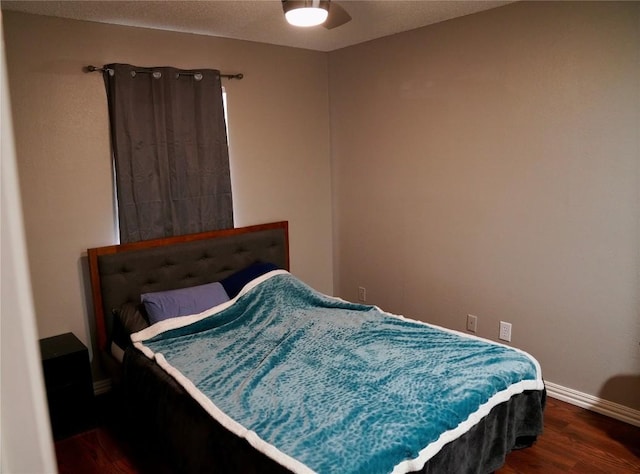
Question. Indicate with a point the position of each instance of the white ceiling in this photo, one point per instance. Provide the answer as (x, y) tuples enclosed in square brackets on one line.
[(260, 20)]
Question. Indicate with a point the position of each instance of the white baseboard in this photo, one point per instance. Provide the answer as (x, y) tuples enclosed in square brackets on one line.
[(599, 405), (101, 386)]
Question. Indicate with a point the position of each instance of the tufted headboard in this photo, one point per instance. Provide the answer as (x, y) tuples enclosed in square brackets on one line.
[(121, 273)]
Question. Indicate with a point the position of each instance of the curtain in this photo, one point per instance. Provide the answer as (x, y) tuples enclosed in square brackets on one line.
[(170, 151)]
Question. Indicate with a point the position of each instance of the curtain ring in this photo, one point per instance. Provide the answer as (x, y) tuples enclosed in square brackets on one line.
[(133, 74), (157, 74), (197, 76)]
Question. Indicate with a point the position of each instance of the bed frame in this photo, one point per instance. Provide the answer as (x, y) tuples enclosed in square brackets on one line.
[(176, 428)]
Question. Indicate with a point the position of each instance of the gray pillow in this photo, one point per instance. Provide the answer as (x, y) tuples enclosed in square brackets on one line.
[(129, 318)]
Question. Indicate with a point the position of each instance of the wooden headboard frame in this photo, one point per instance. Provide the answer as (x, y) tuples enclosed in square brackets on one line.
[(121, 273)]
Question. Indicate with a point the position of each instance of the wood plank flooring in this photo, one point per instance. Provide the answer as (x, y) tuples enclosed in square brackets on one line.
[(574, 441), (578, 441)]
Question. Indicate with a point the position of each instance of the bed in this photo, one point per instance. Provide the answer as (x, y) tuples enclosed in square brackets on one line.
[(280, 378)]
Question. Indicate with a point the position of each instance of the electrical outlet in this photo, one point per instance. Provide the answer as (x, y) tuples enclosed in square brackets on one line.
[(362, 294), (472, 323), (505, 331)]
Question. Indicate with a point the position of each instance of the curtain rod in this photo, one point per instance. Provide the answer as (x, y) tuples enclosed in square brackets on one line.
[(226, 76)]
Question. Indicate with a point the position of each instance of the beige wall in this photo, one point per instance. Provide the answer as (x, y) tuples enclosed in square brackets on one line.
[(278, 132), (25, 433), (490, 165), (485, 165)]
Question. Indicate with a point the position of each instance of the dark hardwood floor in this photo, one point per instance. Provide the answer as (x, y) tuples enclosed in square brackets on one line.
[(574, 441), (578, 441)]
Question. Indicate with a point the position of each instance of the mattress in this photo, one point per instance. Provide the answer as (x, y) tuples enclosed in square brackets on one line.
[(317, 384)]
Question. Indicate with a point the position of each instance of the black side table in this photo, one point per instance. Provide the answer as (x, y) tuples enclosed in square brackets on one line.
[(67, 377)]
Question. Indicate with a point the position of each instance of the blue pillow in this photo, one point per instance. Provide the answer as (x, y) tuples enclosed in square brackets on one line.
[(236, 281), (162, 305)]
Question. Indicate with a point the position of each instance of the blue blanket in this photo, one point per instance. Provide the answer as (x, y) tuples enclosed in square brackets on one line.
[(324, 385)]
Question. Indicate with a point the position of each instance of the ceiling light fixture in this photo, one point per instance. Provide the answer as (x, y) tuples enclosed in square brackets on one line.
[(305, 12)]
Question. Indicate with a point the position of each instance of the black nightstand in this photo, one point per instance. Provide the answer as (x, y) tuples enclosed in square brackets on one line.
[(67, 377)]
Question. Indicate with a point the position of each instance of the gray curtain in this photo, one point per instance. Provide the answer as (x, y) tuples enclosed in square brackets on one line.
[(170, 151)]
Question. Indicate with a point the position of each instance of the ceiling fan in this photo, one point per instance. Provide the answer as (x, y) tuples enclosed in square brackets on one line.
[(315, 12)]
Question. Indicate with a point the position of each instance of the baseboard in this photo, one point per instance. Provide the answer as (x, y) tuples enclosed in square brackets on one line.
[(101, 387), (584, 400)]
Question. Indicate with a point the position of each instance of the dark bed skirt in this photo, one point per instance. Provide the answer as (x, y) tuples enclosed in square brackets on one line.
[(168, 424)]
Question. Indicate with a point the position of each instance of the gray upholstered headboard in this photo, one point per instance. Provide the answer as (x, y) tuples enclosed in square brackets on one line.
[(121, 273)]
